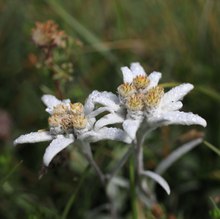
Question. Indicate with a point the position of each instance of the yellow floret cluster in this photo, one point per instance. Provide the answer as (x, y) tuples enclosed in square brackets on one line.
[(136, 95), (68, 117)]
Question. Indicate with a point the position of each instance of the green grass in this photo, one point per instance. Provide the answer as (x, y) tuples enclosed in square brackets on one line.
[(180, 39)]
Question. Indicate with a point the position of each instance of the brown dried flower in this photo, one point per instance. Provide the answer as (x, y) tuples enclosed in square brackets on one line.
[(47, 34)]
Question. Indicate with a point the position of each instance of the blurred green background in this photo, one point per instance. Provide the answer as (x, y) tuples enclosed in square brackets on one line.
[(181, 39)]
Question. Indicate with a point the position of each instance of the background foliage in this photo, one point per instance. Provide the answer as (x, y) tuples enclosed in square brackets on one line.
[(180, 39)]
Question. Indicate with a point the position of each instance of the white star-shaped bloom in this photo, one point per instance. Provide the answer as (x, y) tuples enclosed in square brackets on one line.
[(141, 101), (70, 122)]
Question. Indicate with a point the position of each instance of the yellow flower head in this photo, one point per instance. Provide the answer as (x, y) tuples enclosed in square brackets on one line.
[(141, 81), (79, 121), (135, 102), (60, 109), (54, 121), (153, 96), (76, 108), (126, 90)]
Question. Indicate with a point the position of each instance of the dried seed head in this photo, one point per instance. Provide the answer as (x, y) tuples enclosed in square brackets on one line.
[(42, 33), (76, 109), (141, 81), (47, 34), (59, 39), (126, 90), (60, 109), (79, 121), (153, 96), (135, 102)]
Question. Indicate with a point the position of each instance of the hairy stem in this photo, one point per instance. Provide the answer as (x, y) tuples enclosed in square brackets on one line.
[(96, 168), (138, 145), (86, 150), (142, 184)]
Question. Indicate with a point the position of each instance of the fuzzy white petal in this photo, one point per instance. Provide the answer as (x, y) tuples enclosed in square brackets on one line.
[(172, 106), (33, 137), (127, 75), (91, 122), (51, 101), (154, 79), (131, 126), (176, 154), (55, 147), (106, 134), (159, 179), (181, 118), (137, 69), (107, 99), (99, 111), (176, 93), (108, 119)]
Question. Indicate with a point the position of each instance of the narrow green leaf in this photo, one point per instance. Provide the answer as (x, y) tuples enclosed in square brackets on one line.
[(209, 92), (212, 147), (11, 172), (169, 85)]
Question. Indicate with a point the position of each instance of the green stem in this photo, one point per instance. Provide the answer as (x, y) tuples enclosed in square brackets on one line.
[(142, 185)]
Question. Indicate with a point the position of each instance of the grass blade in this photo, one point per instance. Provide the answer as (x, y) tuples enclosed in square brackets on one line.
[(11, 172), (73, 196), (87, 35), (212, 147), (209, 92)]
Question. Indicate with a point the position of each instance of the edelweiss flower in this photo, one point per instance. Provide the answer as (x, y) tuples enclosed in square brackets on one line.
[(69, 122), (141, 100)]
